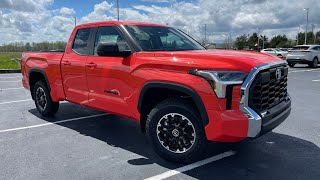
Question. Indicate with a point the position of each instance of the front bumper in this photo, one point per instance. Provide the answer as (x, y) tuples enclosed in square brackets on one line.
[(277, 115), (236, 125), (274, 117), (299, 61)]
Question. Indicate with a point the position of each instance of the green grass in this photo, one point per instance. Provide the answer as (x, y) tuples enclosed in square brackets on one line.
[(5, 60)]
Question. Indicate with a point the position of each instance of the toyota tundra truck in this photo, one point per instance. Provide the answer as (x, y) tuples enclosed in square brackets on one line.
[(181, 94)]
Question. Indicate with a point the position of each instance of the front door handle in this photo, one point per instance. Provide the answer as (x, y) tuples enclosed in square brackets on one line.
[(66, 63), (91, 65)]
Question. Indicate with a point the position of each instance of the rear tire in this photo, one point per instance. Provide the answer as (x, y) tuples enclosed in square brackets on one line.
[(175, 131), (314, 63), (43, 101)]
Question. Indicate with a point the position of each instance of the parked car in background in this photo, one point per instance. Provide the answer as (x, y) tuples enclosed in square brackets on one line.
[(276, 52), (284, 49), (304, 54)]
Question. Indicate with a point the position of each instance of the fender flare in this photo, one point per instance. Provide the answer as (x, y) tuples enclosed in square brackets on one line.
[(177, 87), (38, 70)]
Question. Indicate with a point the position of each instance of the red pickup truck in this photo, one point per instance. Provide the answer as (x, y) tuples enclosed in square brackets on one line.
[(181, 94)]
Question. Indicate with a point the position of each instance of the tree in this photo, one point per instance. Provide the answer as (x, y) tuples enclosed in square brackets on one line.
[(42, 46), (241, 41), (279, 41), (318, 37), (28, 46), (310, 38), (253, 41)]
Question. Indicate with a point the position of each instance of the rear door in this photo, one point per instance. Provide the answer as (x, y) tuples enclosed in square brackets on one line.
[(269, 51), (317, 51), (109, 77), (73, 68)]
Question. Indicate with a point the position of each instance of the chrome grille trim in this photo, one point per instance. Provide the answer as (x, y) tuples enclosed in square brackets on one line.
[(255, 121)]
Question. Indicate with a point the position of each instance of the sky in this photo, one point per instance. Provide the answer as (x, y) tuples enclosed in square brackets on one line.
[(52, 20)]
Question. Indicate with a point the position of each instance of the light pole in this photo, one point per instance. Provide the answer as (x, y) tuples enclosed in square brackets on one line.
[(263, 41), (118, 10), (314, 37), (258, 37), (305, 35), (205, 33), (226, 40), (298, 35), (230, 40), (75, 20)]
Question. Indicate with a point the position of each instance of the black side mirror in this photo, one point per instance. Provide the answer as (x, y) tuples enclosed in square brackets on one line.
[(113, 49)]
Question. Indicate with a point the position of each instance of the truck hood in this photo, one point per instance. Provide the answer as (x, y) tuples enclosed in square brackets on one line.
[(216, 59)]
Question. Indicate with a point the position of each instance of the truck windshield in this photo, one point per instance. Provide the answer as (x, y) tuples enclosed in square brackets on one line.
[(158, 38)]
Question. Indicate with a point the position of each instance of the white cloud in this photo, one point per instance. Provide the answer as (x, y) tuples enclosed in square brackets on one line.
[(67, 11), (44, 25), (222, 17), (24, 5), (158, 1), (101, 12)]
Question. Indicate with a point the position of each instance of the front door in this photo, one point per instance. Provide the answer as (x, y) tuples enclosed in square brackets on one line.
[(108, 77)]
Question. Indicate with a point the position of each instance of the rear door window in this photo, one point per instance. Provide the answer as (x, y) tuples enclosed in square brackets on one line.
[(81, 41), (300, 48), (317, 48)]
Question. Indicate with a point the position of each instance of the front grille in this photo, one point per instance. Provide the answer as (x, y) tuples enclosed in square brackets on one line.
[(267, 91)]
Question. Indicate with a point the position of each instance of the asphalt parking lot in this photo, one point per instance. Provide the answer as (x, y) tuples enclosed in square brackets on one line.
[(80, 143)]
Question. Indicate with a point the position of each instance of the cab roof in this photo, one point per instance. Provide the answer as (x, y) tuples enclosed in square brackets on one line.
[(109, 23)]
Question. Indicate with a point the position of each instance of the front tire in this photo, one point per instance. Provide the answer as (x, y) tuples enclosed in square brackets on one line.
[(175, 131), (314, 63), (43, 101)]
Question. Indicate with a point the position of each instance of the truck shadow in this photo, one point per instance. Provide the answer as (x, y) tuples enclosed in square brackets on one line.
[(273, 156)]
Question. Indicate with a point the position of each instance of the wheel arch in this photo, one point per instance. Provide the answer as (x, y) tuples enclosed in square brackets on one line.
[(175, 87), (36, 74)]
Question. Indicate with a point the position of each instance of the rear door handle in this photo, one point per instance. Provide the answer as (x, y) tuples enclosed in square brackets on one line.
[(91, 65), (66, 63)]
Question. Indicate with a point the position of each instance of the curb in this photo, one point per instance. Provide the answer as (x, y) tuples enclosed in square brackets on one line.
[(2, 71)]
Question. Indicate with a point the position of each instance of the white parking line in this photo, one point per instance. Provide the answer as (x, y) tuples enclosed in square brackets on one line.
[(10, 77), (9, 102), (317, 80), (10, 81), (191, 166), (51, 123), (304, 70), (10, 89), (26, 100)]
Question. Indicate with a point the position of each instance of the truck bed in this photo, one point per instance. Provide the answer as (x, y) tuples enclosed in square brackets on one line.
[(43, 61)]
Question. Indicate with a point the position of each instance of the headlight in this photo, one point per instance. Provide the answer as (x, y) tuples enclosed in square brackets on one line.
[(219, 80)]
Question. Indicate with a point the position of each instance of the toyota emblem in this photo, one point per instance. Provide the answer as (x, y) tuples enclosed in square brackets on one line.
[(278, 74), (175, 133)]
